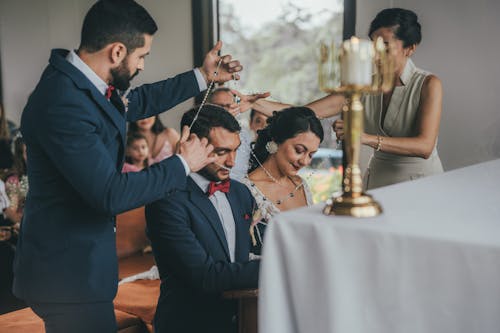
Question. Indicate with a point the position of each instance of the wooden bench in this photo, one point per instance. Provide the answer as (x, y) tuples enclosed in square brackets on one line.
[(247, 308), (26, 321)]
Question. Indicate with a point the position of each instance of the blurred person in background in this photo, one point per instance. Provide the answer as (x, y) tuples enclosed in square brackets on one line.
[(161, 140)]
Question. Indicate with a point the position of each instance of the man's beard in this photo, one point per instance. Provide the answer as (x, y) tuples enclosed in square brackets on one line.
[(121, 76), (209, 174)]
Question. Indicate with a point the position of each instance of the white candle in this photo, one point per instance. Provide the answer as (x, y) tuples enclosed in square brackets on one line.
[(356, 62)]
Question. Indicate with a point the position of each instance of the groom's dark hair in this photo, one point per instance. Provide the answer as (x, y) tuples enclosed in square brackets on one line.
[(110, 21), (209, 117)]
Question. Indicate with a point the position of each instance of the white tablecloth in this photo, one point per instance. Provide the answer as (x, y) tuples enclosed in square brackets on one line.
[(429, 263)]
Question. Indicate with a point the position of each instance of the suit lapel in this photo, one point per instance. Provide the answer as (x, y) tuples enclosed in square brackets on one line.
[(58, 60), (199, 199), (113, 113)]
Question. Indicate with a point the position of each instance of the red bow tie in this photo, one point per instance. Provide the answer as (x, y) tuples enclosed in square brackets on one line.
[(109, 91), (220, 186)]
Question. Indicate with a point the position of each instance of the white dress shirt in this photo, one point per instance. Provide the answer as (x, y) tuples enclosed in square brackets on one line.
[(223, 208)]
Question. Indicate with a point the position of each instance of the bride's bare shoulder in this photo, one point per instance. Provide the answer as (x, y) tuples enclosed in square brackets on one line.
[(258, 176)]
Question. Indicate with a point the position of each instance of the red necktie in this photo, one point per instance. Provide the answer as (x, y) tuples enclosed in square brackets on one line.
[(220, 186), (109, 91)]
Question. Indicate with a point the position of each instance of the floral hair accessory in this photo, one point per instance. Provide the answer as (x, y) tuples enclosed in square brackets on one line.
[(271, 147)]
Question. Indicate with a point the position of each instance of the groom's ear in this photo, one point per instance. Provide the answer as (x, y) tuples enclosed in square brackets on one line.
[(117, 52)]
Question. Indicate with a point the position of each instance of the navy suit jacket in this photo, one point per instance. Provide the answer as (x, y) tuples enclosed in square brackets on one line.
[(192, 255), (75, 140)]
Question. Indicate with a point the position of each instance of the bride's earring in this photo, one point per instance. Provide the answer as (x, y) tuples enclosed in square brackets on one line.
[(271, 147)]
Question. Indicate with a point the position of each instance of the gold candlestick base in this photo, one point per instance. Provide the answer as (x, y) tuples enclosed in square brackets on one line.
[(360, 206)]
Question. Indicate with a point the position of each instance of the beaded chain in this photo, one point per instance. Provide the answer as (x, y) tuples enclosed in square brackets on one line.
[(209, 89)]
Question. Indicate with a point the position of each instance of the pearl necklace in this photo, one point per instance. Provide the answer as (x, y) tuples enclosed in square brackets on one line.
[(289, 195), (268, 174), (282, 199), (286, 197)]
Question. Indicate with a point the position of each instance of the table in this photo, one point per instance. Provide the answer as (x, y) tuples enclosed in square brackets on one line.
[(247, 308), (429, 263)]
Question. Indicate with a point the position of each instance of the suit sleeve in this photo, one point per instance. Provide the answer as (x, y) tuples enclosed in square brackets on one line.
[(151, 99), (69, 136), (176, 246)]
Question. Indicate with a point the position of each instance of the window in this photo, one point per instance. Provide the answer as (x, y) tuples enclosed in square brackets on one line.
[(277, 43)]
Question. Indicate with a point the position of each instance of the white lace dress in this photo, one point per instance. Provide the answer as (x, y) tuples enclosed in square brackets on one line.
[(267, 210)]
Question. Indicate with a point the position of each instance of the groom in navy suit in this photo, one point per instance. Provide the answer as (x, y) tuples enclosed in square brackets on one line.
[(74, 128), (200, 236)]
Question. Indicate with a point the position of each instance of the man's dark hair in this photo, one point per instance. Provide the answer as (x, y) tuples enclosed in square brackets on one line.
[(210, 116), (110, 21)]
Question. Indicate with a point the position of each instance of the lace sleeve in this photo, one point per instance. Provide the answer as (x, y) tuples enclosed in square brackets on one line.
[(308, 193), (266, 206)]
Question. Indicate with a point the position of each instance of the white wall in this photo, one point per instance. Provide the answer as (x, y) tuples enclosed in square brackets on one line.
[(29, 29), (460, 44)]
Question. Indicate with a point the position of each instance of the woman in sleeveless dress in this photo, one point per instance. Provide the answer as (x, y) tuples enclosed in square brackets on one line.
[(161, 140), (283, 147), (401, 126)]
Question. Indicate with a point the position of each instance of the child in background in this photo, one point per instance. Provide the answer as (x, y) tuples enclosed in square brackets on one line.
[(136, 156), (136, 159)]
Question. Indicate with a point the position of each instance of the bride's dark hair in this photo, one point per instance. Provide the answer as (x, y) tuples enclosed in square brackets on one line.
[(282, 126)]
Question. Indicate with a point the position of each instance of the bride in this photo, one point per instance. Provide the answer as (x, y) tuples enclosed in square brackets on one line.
[(283, 147)]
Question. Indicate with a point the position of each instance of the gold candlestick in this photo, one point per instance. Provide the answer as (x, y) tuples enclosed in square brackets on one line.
[(354, 68)]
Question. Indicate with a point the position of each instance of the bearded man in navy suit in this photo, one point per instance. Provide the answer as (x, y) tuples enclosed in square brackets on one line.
[(200, 236), (74, 128)]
